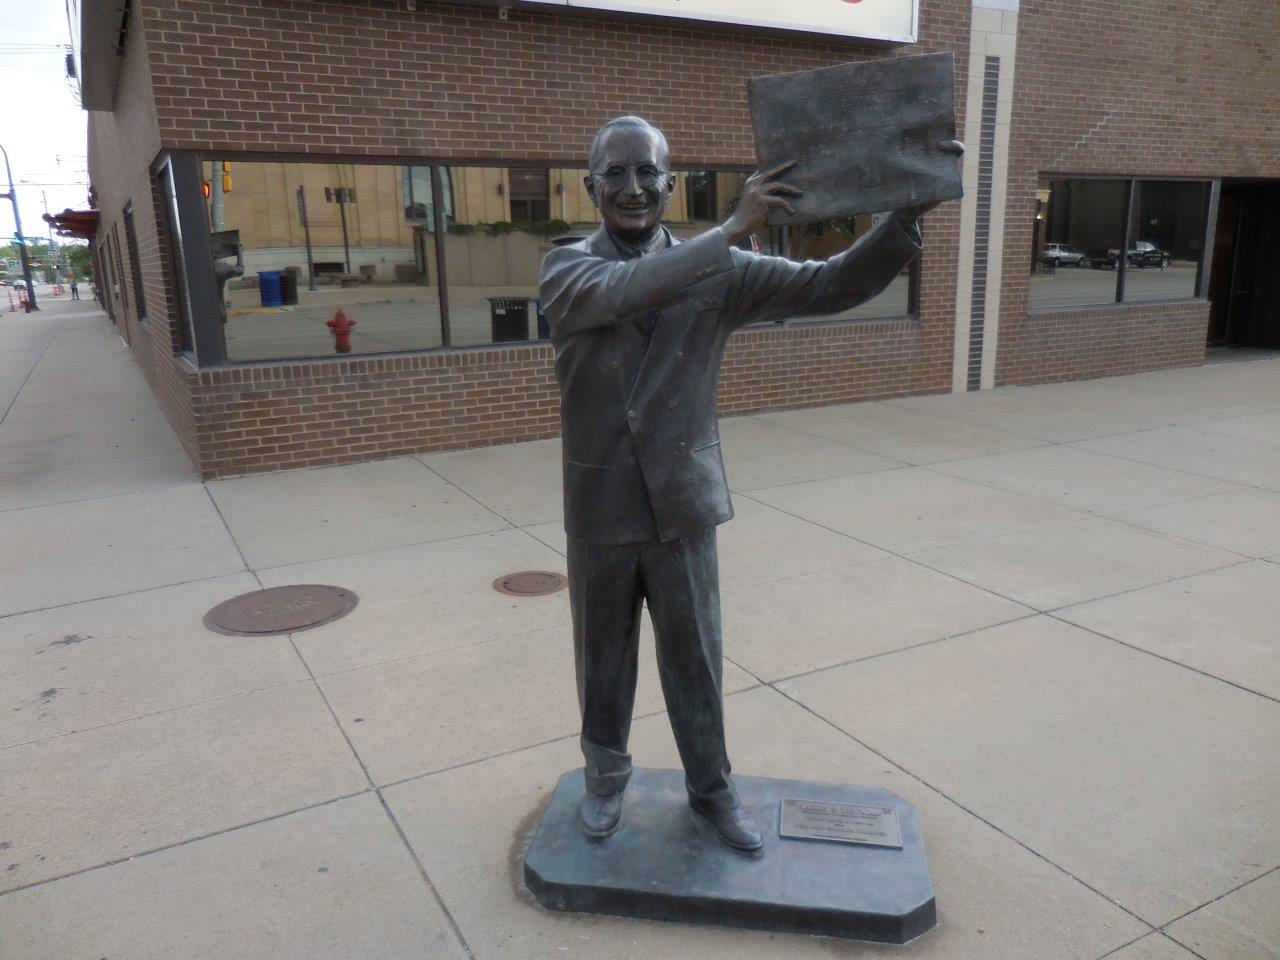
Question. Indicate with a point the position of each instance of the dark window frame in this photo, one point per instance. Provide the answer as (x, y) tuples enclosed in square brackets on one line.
[(135, 266), (123, 292), (1130, 207)]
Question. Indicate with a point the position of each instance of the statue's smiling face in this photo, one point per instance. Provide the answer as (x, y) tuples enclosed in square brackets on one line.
[(630, 182)]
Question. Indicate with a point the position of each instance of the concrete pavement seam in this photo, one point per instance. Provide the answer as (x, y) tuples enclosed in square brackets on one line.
[(1048, 612), (126, 593), (541, 743), (1159, 656), (154, 713), (1123, 946), (105, 496), (893, 553), (1208, 903), (966, 809), (470, 496), (413, 854), (888, 653), (17, 393), (925, 783), (225, 526), (397, 546), (430, 653), (1240, 484), (183, 843)]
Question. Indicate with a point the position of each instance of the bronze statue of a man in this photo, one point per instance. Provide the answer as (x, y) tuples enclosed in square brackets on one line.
[(639, 323)]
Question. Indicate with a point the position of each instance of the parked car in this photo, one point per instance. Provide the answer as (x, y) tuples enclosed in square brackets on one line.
[(1145, 254), (1062, 255), (1141, 254)]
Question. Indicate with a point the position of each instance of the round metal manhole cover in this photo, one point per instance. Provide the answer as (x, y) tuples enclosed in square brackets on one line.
[(280, 610), (530, 583)]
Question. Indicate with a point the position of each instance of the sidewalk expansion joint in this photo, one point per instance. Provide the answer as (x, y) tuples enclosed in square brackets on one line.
[(941, 793), (386, 809), (182, 843)]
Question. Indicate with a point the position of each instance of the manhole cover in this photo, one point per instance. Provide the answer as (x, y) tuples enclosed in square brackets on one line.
[(530, 583), (280, 610)]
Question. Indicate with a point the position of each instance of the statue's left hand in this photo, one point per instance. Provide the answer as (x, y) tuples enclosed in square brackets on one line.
[(909, 215)]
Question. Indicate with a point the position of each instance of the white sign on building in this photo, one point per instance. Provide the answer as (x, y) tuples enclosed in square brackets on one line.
[(889, 20)]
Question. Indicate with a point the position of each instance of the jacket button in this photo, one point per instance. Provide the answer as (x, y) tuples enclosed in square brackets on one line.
[(680, 446), (615, 364), (671, 404), (631, 414), (679, 354), (631, 461)]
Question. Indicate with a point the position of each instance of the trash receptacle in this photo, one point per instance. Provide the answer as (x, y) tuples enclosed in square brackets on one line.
[(510, 318), (289, 286), (269, 287)]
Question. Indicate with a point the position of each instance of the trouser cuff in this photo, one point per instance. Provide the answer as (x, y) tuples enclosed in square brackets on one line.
[(606, 771), (724, 796)]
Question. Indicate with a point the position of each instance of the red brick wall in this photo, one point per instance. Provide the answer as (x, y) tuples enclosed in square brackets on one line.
[(368, 77), (1142, 88), (453, 82), (1085, 342), (273, 416), (122, 145)]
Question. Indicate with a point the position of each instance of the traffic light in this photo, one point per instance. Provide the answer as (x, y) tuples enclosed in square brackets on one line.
[(226, 176)]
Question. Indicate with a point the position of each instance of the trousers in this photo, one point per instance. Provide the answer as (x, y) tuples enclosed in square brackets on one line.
[(679, 582)]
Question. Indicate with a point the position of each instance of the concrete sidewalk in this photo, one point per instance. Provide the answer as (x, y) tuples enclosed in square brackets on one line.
[(1047, 616)]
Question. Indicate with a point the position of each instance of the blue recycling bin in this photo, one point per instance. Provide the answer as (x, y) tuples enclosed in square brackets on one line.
[(269, 288)]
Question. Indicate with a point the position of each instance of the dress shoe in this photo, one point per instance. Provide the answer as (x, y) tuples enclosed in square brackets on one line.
[(600, 816), (733, 827)]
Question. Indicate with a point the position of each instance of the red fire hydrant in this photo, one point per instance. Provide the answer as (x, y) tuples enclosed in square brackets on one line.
[(341, 326)]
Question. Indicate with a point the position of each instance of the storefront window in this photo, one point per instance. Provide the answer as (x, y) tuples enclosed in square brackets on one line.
[(1079, 232), (823, 240), (500, 226), (297, 242), (416, 256), (1167, 240), (702, 199)]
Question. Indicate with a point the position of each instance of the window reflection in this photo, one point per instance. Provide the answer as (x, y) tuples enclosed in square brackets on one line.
[(388, 244), (825, 239), (315, 238), (501, 223), (1168, 234), (1080, 230)]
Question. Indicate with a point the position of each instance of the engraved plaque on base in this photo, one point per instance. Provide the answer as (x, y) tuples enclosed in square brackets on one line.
[(840, 823), (864, 136)]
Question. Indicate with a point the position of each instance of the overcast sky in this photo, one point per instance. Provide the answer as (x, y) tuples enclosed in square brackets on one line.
[(41, 125)]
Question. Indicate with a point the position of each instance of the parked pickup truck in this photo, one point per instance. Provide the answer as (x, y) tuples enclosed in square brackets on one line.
[(1141, 254)]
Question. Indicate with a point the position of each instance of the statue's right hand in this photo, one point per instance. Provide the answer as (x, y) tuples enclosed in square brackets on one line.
[(761, 194)]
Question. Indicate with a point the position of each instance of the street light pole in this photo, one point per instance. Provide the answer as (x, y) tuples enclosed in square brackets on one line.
[(12, 196)]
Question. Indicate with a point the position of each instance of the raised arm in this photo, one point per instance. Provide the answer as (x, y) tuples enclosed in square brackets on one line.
[(580, 291), (774, 288)]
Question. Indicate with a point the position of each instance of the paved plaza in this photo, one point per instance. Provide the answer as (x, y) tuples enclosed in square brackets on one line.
[(1048, 616)]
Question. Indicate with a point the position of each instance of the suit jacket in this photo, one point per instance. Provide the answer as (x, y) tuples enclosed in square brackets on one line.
[(638, 347)]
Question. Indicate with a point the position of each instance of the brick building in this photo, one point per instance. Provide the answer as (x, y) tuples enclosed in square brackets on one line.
[(409, 161)]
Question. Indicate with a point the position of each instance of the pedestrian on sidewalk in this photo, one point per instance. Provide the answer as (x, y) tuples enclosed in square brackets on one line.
[(75, 288)]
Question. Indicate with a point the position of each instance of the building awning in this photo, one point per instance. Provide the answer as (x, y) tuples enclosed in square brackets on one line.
[(74, 223), (104, 27)]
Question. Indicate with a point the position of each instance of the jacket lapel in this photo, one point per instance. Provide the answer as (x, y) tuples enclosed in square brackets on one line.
[(665, 328)]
